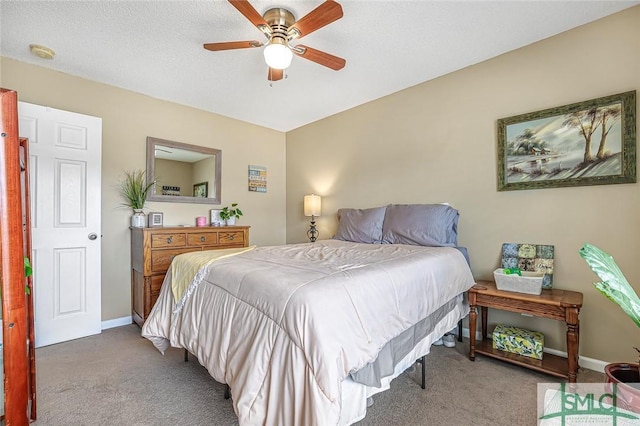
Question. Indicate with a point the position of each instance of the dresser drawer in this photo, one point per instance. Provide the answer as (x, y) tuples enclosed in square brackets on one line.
[(229, 238), (202, 239), (156, 284), (168, 240), (161, 259)]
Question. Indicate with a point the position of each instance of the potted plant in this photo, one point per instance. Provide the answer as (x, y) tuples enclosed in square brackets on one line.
[(135, 189), (615, 287), (230, 214)]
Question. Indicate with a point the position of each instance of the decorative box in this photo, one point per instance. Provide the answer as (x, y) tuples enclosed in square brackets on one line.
[(528, 282), (530, 258), (518, 341)]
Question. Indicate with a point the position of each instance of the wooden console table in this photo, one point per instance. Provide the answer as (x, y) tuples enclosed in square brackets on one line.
[(561, 305)]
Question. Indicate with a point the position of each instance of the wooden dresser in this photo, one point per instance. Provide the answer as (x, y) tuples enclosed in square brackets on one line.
[(152, 250)]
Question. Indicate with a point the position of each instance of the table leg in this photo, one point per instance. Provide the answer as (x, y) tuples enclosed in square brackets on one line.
[(472, 332), (573, 337), (485, 314)]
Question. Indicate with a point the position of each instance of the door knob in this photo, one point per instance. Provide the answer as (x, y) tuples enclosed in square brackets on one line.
[(93, 236)]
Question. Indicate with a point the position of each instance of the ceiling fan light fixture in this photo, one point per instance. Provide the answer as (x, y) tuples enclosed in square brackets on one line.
[(280, 27), (277, 54)]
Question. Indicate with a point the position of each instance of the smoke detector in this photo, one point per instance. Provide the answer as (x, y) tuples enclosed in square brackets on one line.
[(42, 51)]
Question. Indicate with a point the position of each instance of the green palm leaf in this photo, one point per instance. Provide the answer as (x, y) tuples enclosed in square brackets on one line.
[(135, 188), (614, 285)]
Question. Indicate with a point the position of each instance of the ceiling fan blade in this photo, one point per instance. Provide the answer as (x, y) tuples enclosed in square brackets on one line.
[(319, 57), (231, 45), (275, 75), (252, 15), (326, 13)]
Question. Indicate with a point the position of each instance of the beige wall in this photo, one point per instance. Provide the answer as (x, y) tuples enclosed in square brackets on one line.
[(174, 173), (127, 119), (436, 142), (204, 171)]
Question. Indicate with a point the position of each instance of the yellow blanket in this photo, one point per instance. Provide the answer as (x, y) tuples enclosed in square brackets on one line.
[(184, 267)]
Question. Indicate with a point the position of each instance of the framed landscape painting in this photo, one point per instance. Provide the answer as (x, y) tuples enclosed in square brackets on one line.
[(586, 143)]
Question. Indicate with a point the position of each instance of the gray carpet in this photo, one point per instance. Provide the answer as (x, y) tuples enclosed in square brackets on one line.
[(119, 378)]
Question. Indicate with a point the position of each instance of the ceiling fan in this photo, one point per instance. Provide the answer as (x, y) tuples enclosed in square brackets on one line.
[(280, 28)]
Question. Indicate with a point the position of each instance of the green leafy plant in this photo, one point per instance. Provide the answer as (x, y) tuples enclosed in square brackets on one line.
[(135, 189), (229, 212), (614, 286), (28, 271)]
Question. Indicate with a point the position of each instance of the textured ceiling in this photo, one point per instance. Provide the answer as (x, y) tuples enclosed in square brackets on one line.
[(155, 48)]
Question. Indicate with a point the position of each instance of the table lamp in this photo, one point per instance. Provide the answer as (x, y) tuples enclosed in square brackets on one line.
[(312, 207)]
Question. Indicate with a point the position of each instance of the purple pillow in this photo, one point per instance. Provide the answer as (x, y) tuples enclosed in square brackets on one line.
[(421, 224), (360, 225)]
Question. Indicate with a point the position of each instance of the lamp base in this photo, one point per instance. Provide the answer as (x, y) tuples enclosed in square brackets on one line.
[(313, 233)]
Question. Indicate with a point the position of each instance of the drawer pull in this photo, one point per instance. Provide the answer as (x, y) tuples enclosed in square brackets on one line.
[(231, 237), (170, 239), (203, 239)]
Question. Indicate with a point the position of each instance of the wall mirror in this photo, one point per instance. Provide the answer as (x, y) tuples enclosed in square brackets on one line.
[(183, 173)]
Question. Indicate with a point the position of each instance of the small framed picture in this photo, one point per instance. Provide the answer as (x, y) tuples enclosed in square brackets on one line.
[(201, 190), (216, 220), (155, 219)]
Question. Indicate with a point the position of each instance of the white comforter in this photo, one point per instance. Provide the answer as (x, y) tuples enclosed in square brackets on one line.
[(284, 325)]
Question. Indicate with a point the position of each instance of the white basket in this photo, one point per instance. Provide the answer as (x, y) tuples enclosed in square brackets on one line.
[(529, 282)]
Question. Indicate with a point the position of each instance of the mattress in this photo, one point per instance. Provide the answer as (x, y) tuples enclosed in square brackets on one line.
[(289, 327)]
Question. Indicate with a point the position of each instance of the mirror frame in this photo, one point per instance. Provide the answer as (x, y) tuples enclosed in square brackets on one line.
[(151, 148)]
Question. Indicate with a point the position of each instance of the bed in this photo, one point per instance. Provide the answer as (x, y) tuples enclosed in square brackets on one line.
[(305, 333)]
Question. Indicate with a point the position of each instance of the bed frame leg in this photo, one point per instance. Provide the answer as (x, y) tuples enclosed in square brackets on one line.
[(423, 362), (227, 389)]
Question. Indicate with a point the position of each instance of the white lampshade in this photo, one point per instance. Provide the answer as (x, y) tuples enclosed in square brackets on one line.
[(312, 205), (277, 54)]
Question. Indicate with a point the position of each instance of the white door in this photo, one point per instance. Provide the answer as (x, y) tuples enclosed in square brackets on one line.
[(65, 161)]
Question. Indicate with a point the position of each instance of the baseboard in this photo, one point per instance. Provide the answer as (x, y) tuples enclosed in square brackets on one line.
[(117, 322), (583, 361)]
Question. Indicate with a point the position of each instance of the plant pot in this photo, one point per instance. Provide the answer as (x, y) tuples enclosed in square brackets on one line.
[(138, 219), (627, 379), (231, 221)]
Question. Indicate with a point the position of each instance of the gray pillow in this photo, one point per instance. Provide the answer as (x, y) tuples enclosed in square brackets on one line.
[(360, 225), (421, 224)]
